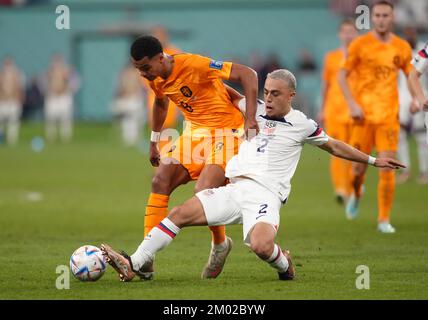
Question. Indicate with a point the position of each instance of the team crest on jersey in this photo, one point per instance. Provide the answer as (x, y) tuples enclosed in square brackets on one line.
[(172, 148), (397, 61), (269, 128), (186, 91), (208, 192)]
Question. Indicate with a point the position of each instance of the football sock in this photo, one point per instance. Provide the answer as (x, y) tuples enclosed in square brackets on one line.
[(340, 171), (356, 183), (220, 246), (277, 259), (157, 239), (156, 211), (385, 194), (218, 234)]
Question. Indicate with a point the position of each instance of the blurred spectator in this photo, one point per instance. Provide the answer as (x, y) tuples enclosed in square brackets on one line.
[(33, 99), (306, 62), (129, 106), (255, 61), (61, 84), (271, 63), (414, 12), (11, 97)]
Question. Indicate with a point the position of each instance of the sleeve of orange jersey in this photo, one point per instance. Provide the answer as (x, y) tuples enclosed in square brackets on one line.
[(407, 59), (352, 58), (213, 68)]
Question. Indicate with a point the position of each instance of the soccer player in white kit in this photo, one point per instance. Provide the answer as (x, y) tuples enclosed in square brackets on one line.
[(420, 64), (260, 176)]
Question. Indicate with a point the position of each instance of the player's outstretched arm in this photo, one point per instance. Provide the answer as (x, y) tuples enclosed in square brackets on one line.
[(247, 77), (160, 110), (345, 151)]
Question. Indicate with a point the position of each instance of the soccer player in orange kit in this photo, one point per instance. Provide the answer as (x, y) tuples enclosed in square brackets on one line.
[(334, 111), (376, 57), (211, 137)]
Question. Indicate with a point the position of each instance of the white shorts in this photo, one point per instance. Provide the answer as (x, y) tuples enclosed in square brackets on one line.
[(59, 108), (243, 202)]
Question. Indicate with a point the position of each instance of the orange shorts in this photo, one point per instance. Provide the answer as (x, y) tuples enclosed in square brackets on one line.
[(194, 152), (338, 130), (382, 137)]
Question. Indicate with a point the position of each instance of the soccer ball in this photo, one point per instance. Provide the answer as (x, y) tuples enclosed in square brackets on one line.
[(87, 263)]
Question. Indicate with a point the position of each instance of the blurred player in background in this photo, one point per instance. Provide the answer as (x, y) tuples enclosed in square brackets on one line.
[(334, 113), (11, 100), (60, 84), (420, 63), (412, 121), (260, 176), (129, 105), (376, 57), (194, 83)]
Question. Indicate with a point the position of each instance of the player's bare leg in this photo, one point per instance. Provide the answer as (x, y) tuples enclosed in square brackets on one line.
[(262, 241), (212, 176), (169, 175)]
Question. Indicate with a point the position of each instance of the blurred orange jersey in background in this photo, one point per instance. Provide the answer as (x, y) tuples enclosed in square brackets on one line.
[(335, 108), (377, 65)]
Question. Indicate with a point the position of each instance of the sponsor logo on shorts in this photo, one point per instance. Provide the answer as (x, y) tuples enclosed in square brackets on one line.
[(219, 146), (172, 148)]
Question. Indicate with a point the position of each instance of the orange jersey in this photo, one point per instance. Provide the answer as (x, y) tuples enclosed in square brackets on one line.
[(171, 117), (377, 66), (196, 87), (335, 106)]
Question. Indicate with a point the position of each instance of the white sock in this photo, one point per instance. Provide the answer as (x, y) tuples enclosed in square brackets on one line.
[(157, 239), (277, 259)]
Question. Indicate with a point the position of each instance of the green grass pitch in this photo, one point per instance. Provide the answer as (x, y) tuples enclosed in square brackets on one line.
[(94, 190)]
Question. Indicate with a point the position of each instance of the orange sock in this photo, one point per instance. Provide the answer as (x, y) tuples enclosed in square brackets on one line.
[(385, 194), (339, 172), (355, 182), (156, 211), (218, 234)]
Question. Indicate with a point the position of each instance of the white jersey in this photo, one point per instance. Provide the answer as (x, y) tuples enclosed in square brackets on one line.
[(420, 61), (271, 157)]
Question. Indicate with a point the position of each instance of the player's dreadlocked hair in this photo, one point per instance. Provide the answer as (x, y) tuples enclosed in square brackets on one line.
[(145, 46)]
